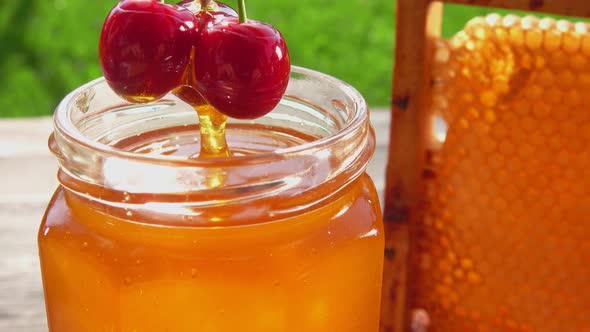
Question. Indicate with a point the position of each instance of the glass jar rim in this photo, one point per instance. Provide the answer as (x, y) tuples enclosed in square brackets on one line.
[(333, 142), (65, 127)]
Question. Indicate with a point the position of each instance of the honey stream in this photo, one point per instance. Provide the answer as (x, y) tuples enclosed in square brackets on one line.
[(212, 124), (212, 130)]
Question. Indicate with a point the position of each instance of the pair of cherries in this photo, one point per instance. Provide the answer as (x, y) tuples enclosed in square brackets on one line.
[(240, 67)]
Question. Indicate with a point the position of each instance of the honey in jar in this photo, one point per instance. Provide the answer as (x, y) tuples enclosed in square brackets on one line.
[(283, 235)]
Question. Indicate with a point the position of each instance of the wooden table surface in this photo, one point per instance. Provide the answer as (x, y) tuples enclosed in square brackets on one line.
[(27, 180)]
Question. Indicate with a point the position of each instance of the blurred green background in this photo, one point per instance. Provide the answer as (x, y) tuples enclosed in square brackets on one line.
[(49, 47)]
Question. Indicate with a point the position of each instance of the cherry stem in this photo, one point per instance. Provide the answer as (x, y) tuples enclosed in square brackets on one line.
[(206, 4), (242, 11)]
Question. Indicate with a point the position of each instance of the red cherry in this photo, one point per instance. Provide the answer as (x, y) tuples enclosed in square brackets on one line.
[(145, 48), (241, 69)]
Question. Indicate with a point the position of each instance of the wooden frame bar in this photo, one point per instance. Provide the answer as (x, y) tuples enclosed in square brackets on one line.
[(580, 8), (418, 24)]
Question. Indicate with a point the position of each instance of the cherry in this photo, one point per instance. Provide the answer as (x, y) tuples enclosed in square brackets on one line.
[(145, 48), (241, 66)]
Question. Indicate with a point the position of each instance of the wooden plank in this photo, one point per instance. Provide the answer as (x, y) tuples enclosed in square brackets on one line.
[(25, 136), (579, 8), (23, 150), (21, 292), (418, 23)]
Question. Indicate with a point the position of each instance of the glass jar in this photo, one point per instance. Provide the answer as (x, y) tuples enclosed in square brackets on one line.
[(286, 235)]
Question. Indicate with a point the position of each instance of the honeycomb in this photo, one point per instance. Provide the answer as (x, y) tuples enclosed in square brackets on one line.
[(504, 243)]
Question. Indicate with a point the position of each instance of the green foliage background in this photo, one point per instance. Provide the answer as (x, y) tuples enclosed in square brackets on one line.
[(49, 47)]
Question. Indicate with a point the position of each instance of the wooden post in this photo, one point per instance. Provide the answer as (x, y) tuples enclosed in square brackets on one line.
[(418, 23), (580, 8)]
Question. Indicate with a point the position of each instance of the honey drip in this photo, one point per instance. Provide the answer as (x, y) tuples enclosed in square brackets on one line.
[(212, 124), (212, 133)]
